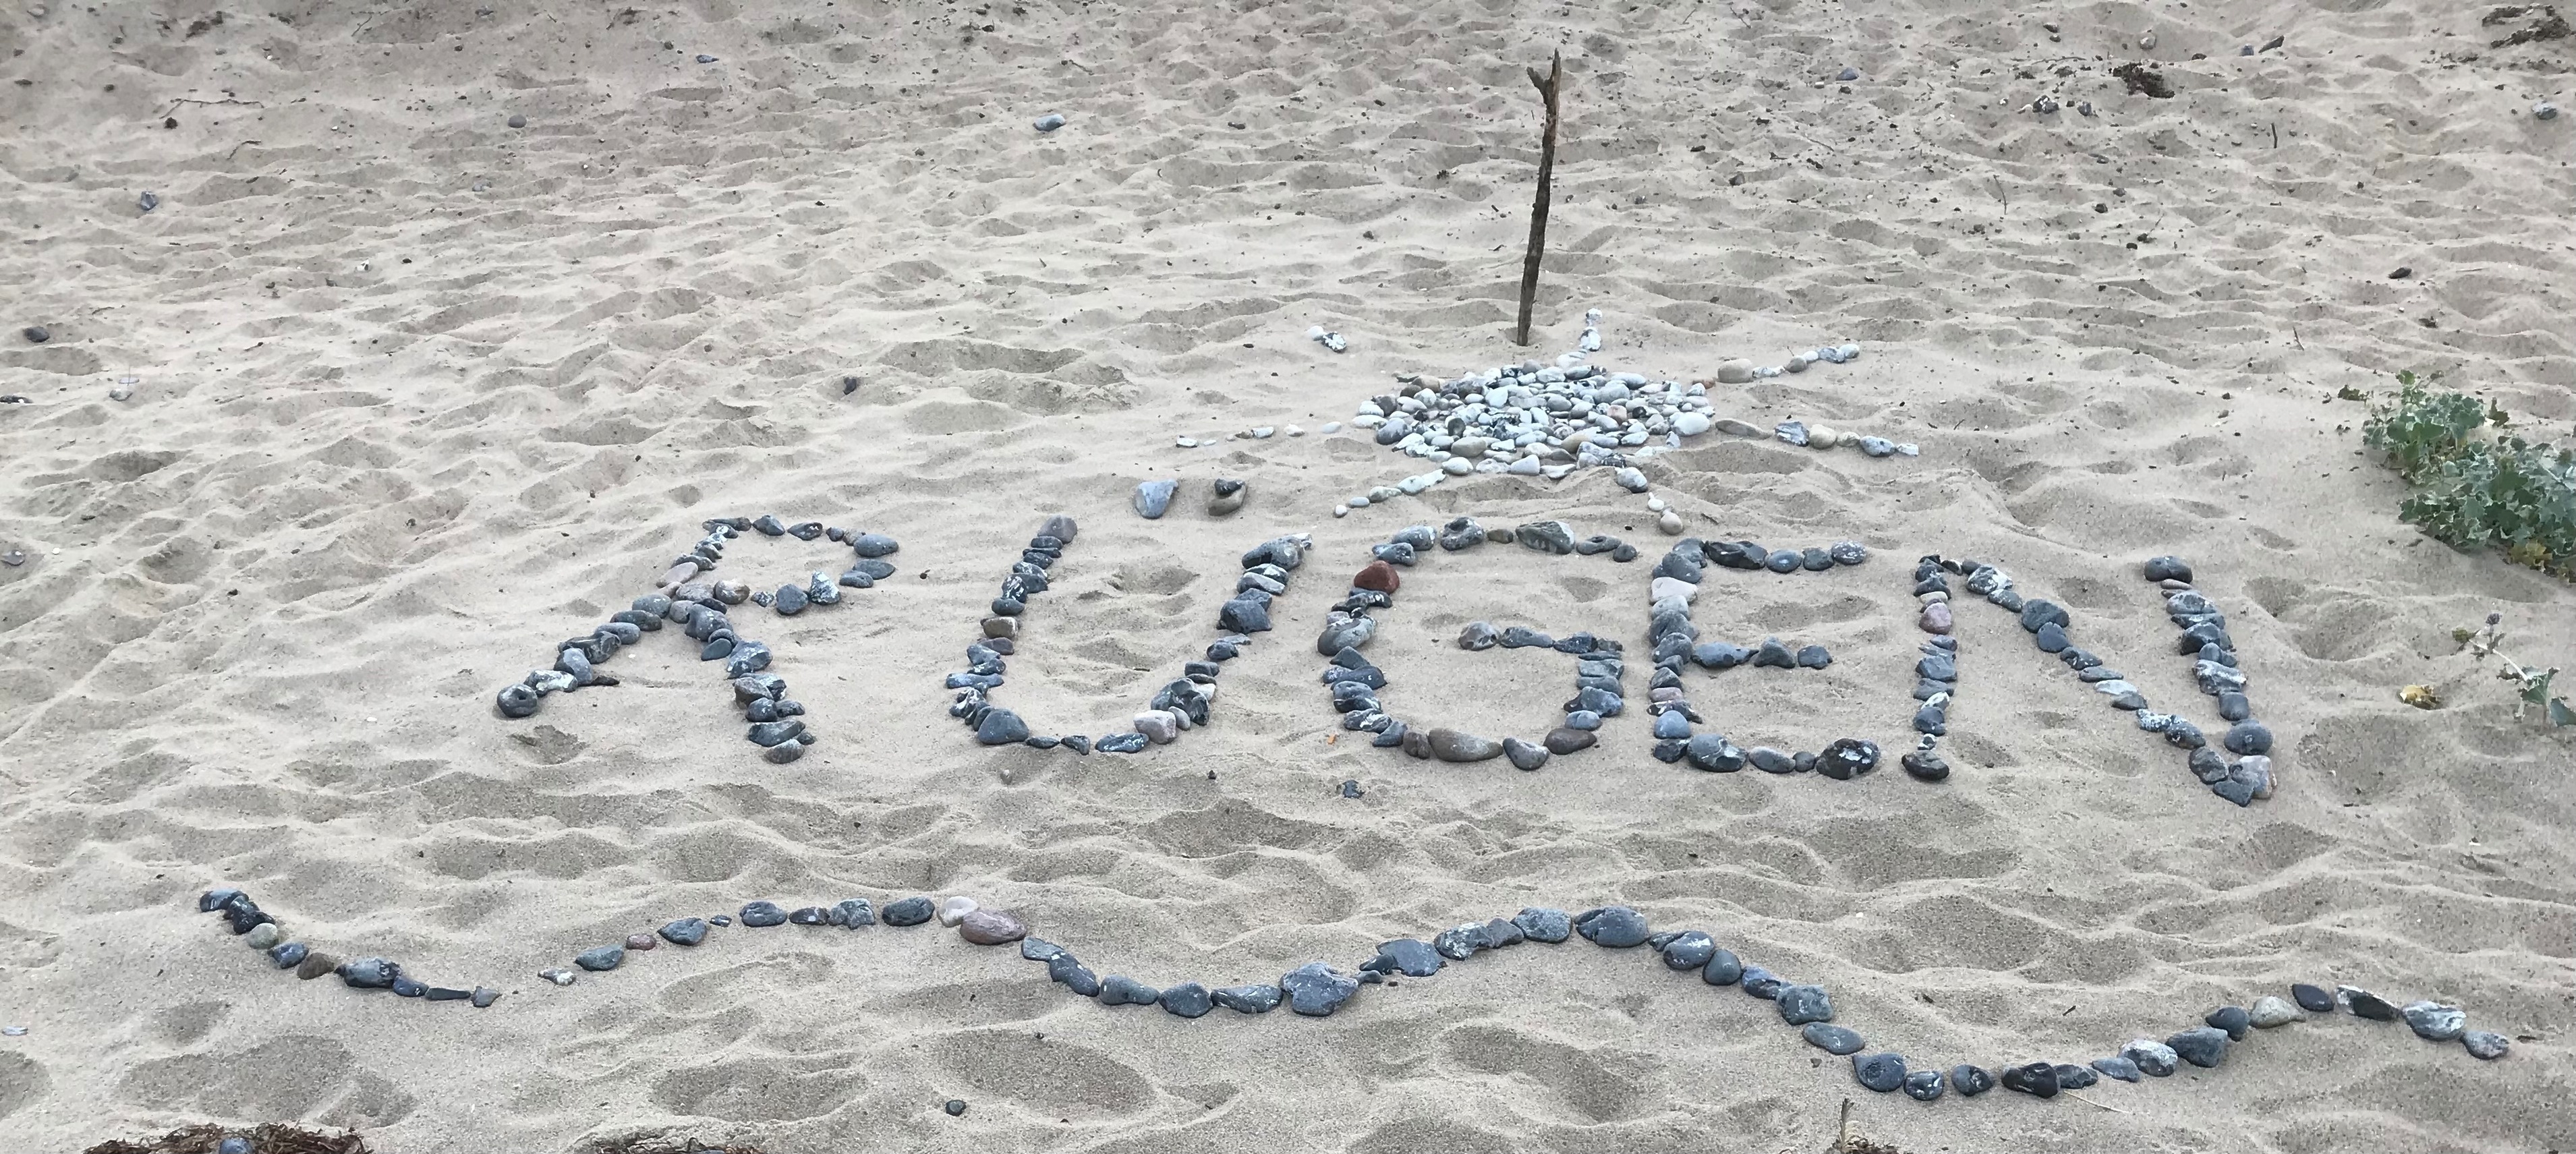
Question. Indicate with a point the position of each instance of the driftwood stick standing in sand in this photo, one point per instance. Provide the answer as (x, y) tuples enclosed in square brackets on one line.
[(1547, 89)]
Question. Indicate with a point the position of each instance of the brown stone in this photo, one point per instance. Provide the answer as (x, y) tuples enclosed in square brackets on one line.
[(1379, 576), (642, 941), (990, 927), (315, 965), (1936, 617)]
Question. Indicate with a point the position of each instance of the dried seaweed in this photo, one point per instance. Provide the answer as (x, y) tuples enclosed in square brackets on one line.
[(272, 1138)]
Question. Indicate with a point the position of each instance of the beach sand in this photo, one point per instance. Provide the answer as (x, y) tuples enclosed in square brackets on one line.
[(416, 394)]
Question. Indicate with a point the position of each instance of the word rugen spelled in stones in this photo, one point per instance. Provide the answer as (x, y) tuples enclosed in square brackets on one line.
[(1179, 705), (701, 609)]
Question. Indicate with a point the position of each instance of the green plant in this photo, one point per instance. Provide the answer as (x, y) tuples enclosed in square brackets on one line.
[(2508, 493), (2534, 684)]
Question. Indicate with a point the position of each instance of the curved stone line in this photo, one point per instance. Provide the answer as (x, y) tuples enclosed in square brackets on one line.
[(1316, 989), (700, 608), (1179, 705), (1531, 420), (1353, 682)]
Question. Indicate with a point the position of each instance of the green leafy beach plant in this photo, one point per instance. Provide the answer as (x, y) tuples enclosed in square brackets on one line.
[(2506, 492), (2533, 683)]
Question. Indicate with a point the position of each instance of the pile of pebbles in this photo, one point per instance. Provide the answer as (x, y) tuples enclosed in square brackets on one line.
[(1677, 646), (261, 931), (1354, 682), (700, 608), (1531, 420), (2243, 780), (1179, 705)]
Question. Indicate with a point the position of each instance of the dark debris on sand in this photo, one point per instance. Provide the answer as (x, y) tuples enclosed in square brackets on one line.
[(662, 1144), (2143, 79), (273, 1138)]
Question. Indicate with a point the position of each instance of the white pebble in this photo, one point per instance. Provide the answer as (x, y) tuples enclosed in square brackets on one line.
[(1330, 427), (1655, 505), (2544, 111), (1294, 431), (1186, 442), (1263, 432), (1341, 510), (1670, 523), (954, 910)]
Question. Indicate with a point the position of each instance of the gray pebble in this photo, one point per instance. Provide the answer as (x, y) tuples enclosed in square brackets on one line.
[(1833, 1039), (1883, 1072)]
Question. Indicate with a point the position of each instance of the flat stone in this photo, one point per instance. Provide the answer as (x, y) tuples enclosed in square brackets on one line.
[(991, 928), (1833, 1039), (2365, 1004), (1688, 950), (1544, 925), (600, 958), (2232, 1019), (1618, 927), (1188, 1000), (1316, 990), (1883, 1072), (685, 932), (2435, 1022), (1723, 968), (1073, 975), (1410, 957), (1923, 1085), (1970, 1081), (1248, 999), (1154, 498), (1451, 745), (2072, 1077), (2313, 999), (2205, 1046), (315, 965), (1121, 990), (2485, 1045), (2270, 1012), (1801, 1004), (2120, 1068), (2153, 1058), (1526, 756), (910, 911), (762, 914), (2037, 1079)]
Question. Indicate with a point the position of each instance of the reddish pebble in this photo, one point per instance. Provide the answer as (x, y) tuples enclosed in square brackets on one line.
[(1936, 617), (642, 941), (991, 928), (1379, 576)]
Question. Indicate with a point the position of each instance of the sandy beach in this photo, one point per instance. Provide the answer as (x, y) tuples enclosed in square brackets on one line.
[(385, 396)]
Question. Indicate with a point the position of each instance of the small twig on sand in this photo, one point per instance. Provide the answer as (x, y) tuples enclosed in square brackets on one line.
[(1842, 1138), (237, 148), (1999, 192), (1547, 89), (2276, 134), (177, 101), (2090, 1102)]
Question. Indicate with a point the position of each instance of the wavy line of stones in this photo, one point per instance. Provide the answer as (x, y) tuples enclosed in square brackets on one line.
[(701, 609), (1532, 420), (1317, 989), (1178, 706)]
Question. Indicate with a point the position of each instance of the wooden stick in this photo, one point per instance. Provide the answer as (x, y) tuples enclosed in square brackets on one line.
[(2090, 1102), (1842, 1139), (1547, 90)]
